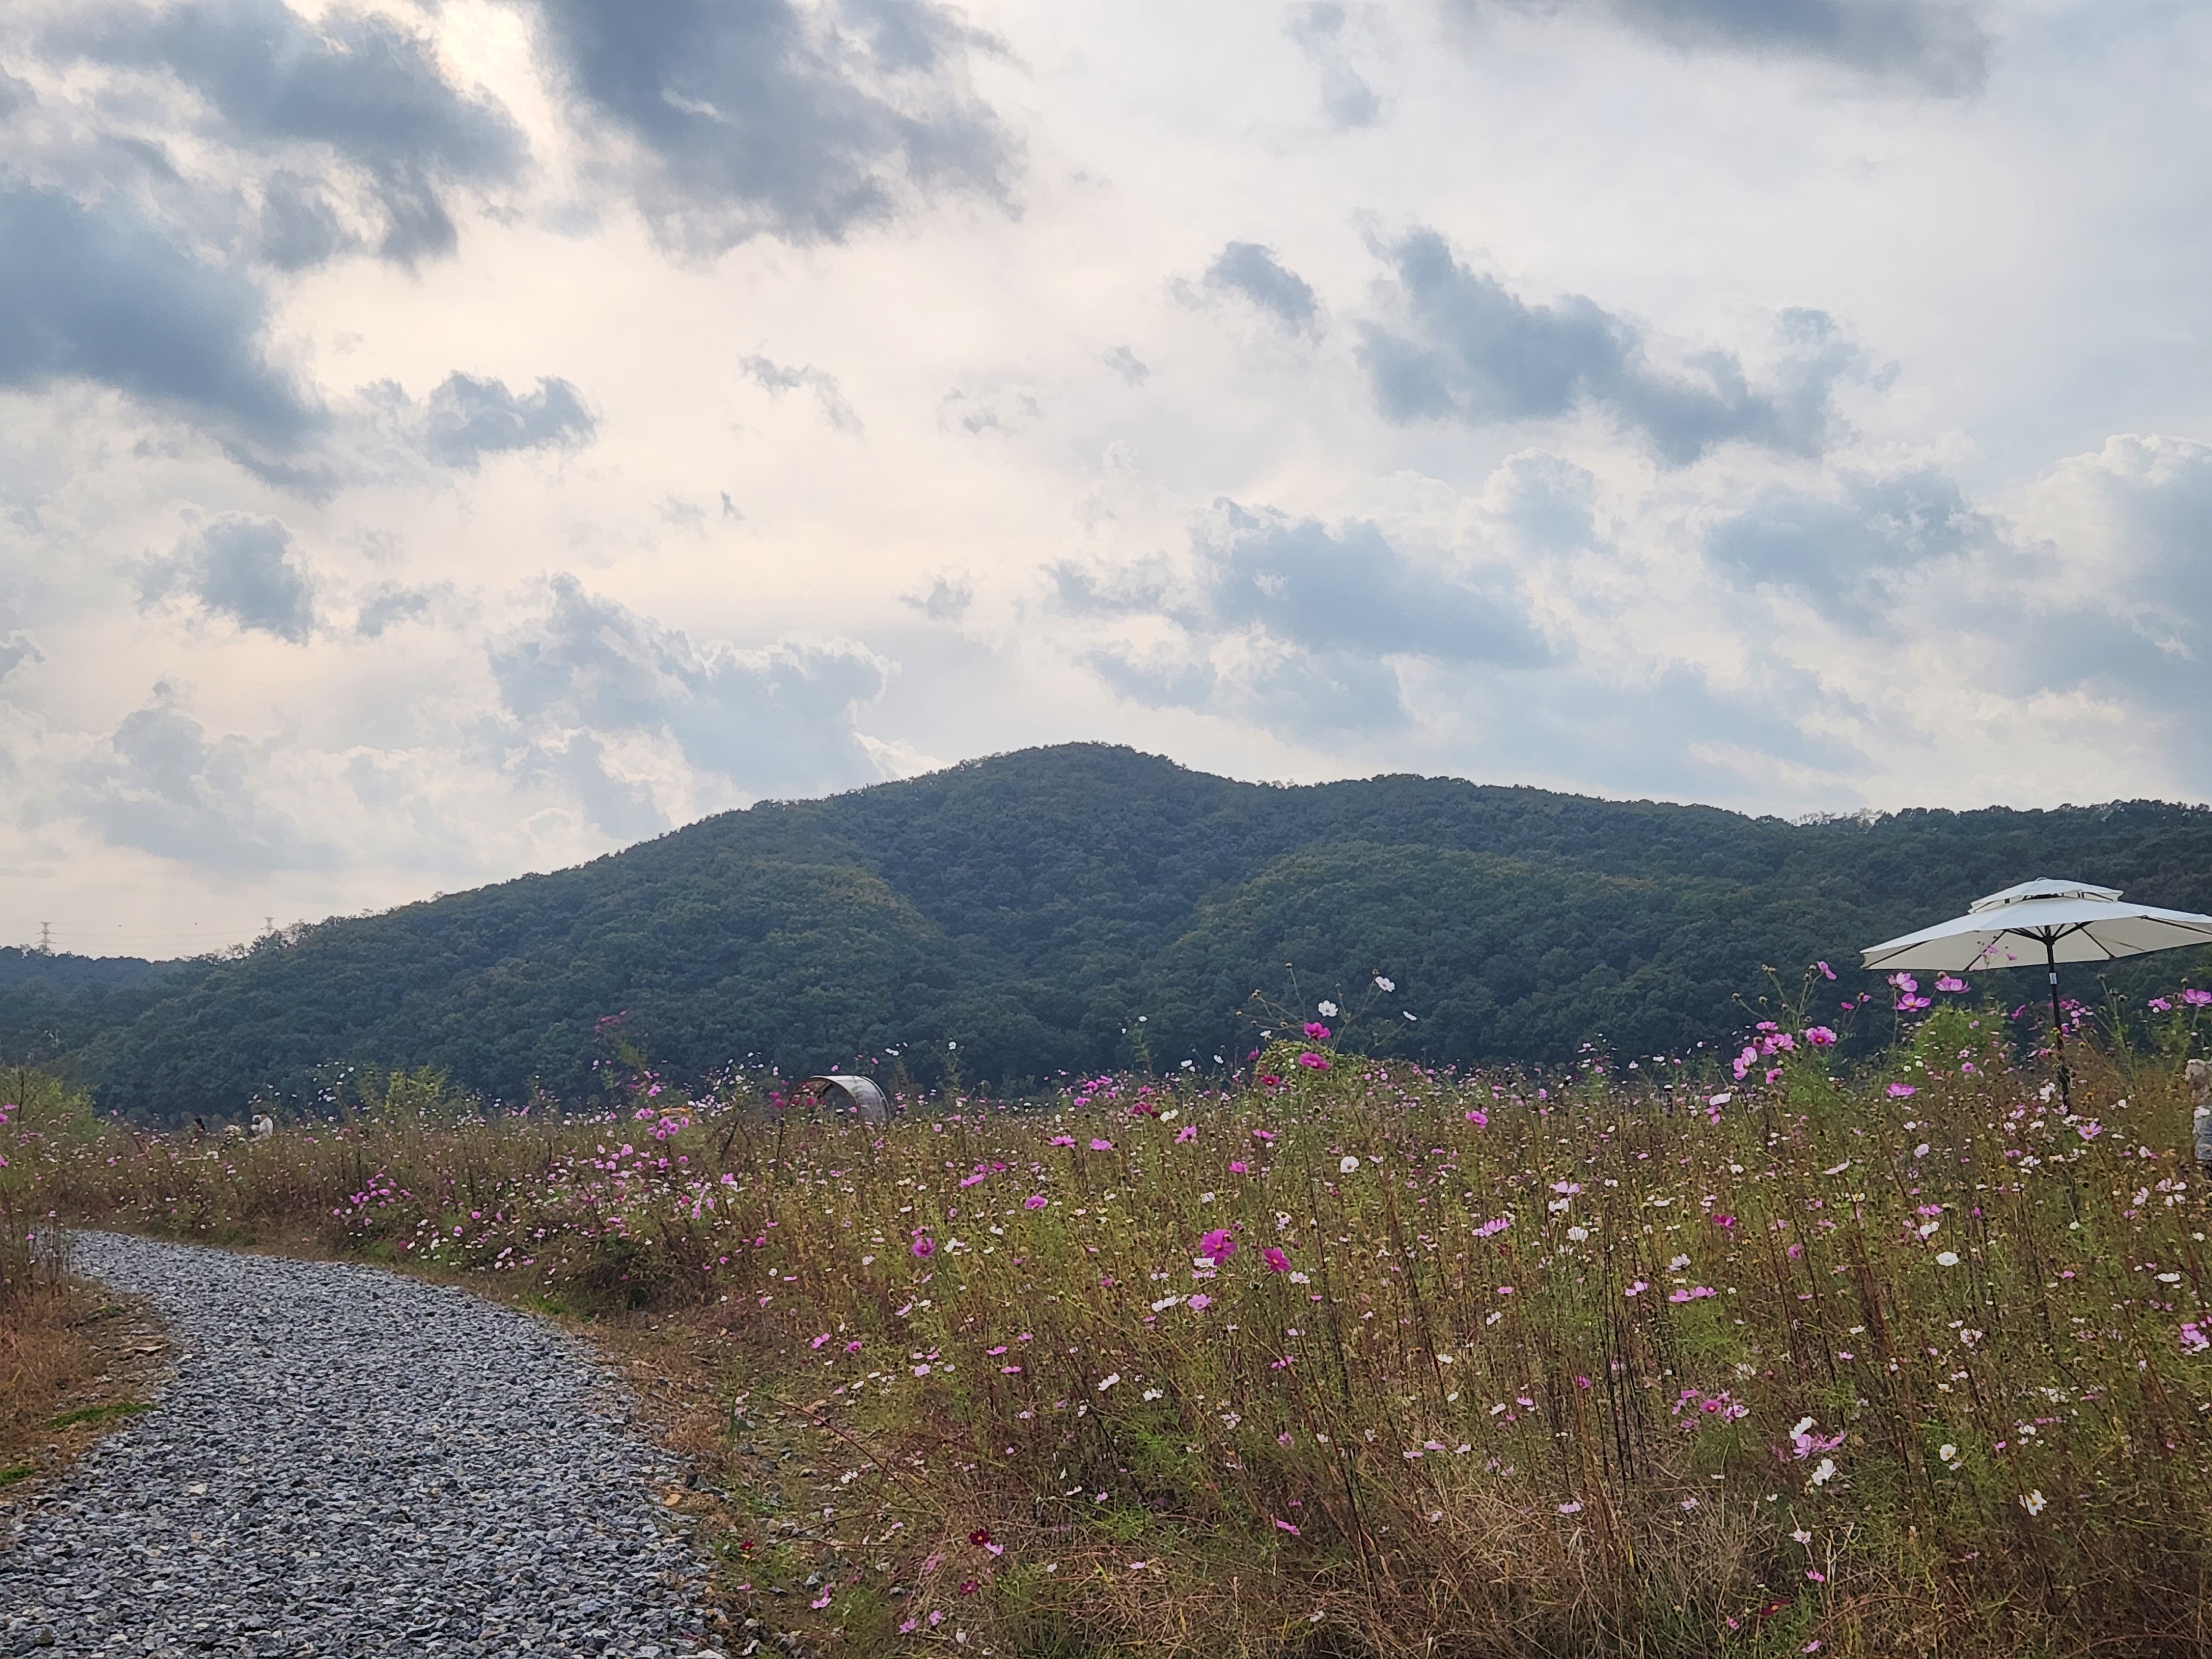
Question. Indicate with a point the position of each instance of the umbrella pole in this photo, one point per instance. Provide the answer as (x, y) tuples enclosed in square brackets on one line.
[(2057, 1026)]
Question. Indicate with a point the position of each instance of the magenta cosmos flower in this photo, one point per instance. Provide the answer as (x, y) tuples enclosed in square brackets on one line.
[(1221, 1245), (924, 1246), (1312, 1061)]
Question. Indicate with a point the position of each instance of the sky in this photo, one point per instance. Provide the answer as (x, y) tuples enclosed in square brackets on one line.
[(440, 441)]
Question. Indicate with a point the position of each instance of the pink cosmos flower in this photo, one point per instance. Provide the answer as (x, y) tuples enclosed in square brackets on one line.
[(1238, 1168), (1034, 1201), (1316, 1031), (1902, 1091), (1188, 1133), (1276, 1260), (925, 1246), (1200, 1303), (1063, 1140), (1221, 1245), (1826, 972), (1098, 1145), (1312, 1061), (1951, 982), (2196, 998), (1821, 1038), (1479, 1119)]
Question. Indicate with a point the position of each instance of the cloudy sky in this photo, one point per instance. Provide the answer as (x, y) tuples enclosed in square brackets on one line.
[(443, 440)]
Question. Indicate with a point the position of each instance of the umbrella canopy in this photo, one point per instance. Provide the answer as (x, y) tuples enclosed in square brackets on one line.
[(2070, 920), (2046, 921)]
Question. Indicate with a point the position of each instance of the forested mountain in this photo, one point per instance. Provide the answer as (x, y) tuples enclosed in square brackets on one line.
[(1032, 907), (51, 1006)]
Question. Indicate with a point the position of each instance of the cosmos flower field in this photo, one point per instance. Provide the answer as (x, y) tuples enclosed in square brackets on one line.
[(1766, 1355)]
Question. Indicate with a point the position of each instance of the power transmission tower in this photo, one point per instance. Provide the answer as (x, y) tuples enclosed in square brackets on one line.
[(46, 939)]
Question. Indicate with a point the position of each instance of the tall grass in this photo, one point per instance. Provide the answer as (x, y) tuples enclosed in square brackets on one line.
[(36, 1113), (1367, 1359)]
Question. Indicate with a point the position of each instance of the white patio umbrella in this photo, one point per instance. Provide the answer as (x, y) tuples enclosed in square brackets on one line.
[(2070, 920)]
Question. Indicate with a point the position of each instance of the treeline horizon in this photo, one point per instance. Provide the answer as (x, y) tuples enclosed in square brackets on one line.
[(1087, 907)]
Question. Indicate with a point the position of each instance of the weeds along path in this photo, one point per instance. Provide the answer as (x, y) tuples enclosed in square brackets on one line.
[(350, 1462)]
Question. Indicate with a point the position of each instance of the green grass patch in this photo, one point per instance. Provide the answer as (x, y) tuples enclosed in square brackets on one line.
[(99, 1414)]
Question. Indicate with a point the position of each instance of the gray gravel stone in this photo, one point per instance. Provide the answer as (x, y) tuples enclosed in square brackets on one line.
[(349, 1462)]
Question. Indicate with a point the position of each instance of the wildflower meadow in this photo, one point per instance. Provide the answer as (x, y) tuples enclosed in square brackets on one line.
[(1773, 1354)]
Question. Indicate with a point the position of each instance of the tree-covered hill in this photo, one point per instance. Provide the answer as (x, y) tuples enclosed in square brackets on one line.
[(1033, 906)]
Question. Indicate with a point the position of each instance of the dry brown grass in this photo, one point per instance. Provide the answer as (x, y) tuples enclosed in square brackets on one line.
[(75, 1364)]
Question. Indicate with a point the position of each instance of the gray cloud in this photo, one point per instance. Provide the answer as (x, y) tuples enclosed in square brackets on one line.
[(1546, 502), (991, 409), (164, 789), (947, 599), (2122, 604), (770, 117), (98, 293), (1126, 364), (1315, 612), (390, 606), (1935, 47), (464, 419), (1319, 28), (1849, 551), (351, 88), (775, 721), (242, 568), (778, 378), (1253, 273), (17, 649), (299, 225), (1462, 347), (1350, 588)]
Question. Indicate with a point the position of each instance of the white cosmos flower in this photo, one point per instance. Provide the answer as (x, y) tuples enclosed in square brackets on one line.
[(1946, 1451), (1112, 1377), (1382, 984), (1346, 1164), (1947, 1258), (1328, 1011), (2034, 1502), (1825, 1473)]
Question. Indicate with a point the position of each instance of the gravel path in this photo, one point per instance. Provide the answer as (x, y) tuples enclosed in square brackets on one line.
[(349, 1463)]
